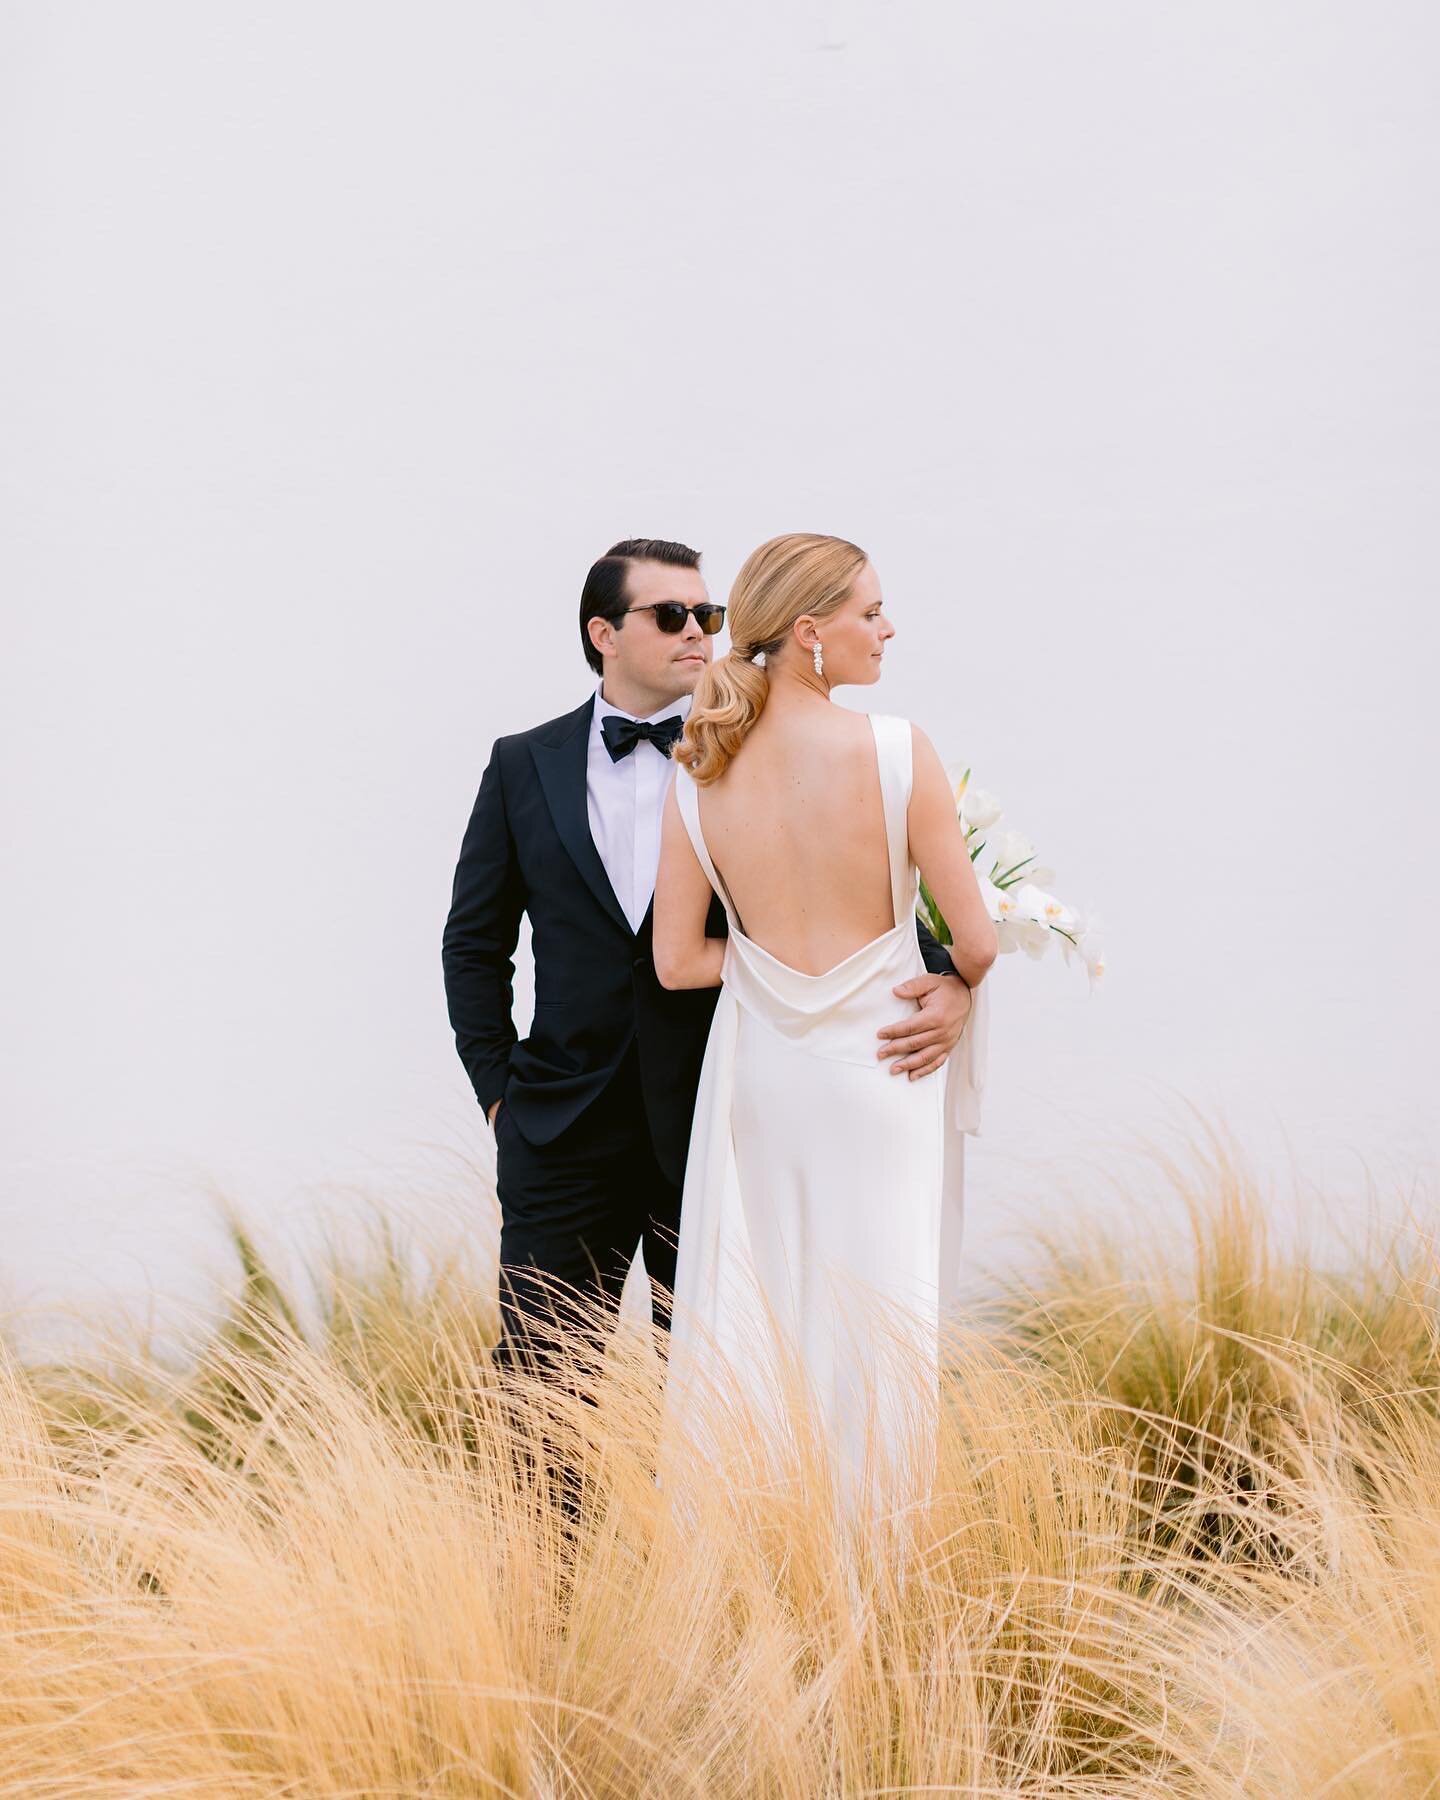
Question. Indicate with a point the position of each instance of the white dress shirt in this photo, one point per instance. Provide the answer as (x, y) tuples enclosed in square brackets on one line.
[(625, 800)]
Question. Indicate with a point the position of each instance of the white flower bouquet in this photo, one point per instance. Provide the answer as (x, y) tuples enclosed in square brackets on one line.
[(1027, 916)]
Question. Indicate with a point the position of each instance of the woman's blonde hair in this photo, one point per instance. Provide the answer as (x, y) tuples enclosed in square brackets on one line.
[(801, 572)]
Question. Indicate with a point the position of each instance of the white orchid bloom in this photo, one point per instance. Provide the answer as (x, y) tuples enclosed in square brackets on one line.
[(998, 903), (1044, 908), (1011, 848), (1028, 925), (979, 809), (1029, 901), (1093, 953), (1026, 914), (1003, 910)]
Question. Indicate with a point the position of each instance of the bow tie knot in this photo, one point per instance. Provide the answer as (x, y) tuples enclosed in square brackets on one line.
[(621, 735)]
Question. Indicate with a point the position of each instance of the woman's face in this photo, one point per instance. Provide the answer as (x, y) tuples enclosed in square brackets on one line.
[(853, 639)]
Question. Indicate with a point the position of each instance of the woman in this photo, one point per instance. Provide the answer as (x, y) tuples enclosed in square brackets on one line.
[(822, 1202)]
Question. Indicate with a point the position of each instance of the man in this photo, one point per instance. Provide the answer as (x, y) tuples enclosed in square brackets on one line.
[(592, 1111)]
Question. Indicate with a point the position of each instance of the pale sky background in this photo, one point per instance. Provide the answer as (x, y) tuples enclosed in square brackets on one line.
[(337, 340)]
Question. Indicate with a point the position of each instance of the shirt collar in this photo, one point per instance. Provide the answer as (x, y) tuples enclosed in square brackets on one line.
[(675, 709)]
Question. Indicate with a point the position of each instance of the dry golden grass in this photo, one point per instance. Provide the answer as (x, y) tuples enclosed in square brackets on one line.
[(1185, 1540)]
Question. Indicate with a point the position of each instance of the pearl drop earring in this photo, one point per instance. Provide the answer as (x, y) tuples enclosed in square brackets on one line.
[(819, 659)]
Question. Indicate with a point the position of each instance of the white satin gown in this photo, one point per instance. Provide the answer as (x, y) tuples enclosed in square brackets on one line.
[(823, 1195)]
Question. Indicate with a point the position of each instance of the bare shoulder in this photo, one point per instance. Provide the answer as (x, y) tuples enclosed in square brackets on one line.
[(930, 781), (903, 731), (926, 755), (852, 738)]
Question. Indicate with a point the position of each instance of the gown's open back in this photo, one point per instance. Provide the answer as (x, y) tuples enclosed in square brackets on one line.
[(823, 1197)]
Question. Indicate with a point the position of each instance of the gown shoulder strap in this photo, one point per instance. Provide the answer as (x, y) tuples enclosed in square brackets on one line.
[(687, 795), (894, 748)]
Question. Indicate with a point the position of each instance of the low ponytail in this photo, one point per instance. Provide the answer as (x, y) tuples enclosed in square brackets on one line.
[(729, 698)]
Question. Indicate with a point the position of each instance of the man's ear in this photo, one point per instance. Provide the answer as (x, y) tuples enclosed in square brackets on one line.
[(602, 635)]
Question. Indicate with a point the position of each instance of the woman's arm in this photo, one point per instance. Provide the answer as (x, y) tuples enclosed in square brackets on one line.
[(937, 843), (684, 956)]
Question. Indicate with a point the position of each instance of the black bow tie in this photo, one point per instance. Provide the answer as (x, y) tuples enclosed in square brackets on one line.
[(622, 735)]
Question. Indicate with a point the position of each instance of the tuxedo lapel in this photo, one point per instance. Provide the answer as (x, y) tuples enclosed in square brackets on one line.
[(561, 766)]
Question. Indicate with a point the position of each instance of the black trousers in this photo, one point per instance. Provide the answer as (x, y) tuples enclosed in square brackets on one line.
[(573, 1212)]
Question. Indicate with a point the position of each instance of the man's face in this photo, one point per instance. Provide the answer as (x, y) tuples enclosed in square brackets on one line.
[(639, 656)]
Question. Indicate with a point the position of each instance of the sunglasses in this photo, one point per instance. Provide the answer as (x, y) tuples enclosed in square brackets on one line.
[(670, 615)]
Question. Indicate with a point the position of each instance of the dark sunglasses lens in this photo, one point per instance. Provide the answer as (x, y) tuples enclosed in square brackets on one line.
[(670, 615)]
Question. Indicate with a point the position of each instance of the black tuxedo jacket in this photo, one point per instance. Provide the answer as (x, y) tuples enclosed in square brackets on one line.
[(528, 849)]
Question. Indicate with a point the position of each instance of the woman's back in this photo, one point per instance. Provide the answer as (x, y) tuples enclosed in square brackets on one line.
[(796, 829)]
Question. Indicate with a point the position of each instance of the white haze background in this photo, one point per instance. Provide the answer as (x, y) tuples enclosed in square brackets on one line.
[(337, 341)]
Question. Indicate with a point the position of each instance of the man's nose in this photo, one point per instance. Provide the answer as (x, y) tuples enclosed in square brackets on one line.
[(692, 627)]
